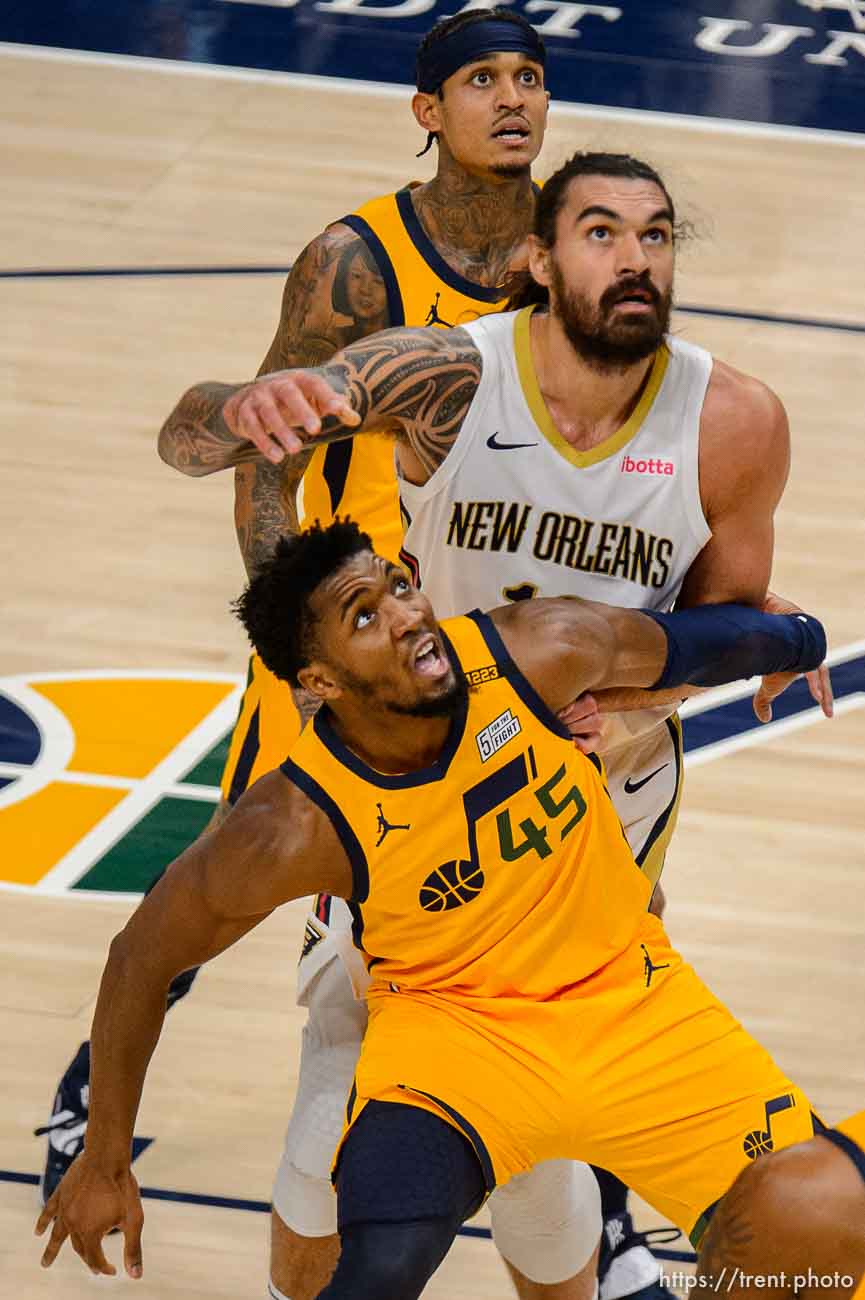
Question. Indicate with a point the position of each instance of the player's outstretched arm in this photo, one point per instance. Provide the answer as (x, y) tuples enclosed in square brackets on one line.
[(414, 384), (568, 646), (274, 846)]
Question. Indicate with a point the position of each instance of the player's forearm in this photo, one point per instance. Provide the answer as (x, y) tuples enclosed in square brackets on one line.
[(624, 699), (130, 1011), (707, 646), (412, 384), (265, 506), (195, 438)]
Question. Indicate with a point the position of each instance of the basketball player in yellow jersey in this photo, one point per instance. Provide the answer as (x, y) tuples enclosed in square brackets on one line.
[(434, 254), (795, 1220), (524, 1005), (440, 254)]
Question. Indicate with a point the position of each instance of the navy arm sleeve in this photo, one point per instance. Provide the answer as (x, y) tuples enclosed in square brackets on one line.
[(714, 644)]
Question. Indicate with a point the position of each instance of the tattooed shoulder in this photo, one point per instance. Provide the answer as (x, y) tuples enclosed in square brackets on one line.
[(334, 294)]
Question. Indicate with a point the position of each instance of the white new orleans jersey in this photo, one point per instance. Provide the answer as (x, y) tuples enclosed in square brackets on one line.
[(515, 511)]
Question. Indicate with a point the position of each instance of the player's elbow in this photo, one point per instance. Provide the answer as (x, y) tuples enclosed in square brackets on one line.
[(585, 635), (166, 445), (177, 445)]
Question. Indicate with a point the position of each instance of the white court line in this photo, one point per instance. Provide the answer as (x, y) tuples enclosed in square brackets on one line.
[(56, 736), (741, 690), (127, 675), (145, 794), (345, 85), (180, 790), (700, 704), (763, 735)]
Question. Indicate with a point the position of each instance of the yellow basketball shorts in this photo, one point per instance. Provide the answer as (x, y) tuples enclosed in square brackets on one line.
[(267, 726), (638, 1069)]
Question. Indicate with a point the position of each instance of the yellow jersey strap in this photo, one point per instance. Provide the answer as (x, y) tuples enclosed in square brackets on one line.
[(373, 223), (849, 1137), (353, 849), (412, 268), (427, 251), (505, 666)]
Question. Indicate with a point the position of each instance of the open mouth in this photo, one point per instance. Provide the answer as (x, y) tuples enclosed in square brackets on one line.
[(512, 133), (636, 298), (428, 659)]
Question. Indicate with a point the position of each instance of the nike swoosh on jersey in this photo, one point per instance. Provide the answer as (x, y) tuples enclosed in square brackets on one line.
[(494, 445), (631, 787)]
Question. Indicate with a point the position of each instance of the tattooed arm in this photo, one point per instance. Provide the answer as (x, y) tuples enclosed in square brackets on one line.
[(414, 384), (333, 296)]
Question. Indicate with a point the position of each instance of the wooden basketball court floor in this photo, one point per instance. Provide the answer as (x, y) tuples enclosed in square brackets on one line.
[(114, 562)]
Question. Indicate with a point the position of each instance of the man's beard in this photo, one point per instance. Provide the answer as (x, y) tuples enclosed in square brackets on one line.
[(602, 339), (448, 705), (511, 171)]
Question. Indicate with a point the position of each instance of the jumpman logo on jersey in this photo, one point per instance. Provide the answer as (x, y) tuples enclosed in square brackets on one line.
[(649, 968), (433, 318), (385, 827)]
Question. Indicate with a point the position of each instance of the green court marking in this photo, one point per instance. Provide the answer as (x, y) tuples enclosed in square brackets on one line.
[(134, 862), (208, 770)]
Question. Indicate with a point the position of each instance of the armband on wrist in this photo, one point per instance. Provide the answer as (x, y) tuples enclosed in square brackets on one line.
[(714, 644)]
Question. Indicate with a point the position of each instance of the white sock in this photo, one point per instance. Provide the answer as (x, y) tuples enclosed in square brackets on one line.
[(630, 1272)]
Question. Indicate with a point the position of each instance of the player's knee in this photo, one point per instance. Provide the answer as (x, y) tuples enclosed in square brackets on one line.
[(770, 1215), (547, 1222), (304, 1202), (389, 1259)]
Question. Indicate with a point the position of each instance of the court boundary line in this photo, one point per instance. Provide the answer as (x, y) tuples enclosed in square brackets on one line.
[(264, 1207), (178, 272), (346, 85)]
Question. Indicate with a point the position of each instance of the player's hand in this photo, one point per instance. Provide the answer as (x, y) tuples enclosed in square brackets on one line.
[(583, 720), (275, 411), (86, 1206), (819, 683)]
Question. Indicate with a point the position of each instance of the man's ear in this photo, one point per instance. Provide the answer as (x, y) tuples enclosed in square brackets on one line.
[(540, 258), (426, 109), (319, 681)]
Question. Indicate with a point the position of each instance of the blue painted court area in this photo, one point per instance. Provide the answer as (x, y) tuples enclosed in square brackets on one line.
[(783, 62), (20, 739)]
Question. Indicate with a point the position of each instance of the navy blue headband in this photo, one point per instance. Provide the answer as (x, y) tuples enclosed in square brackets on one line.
[(470, 43)]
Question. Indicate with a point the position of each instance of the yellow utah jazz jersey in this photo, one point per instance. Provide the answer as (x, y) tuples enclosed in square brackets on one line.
[(854, 1128), (357, 477), (502, 869)]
